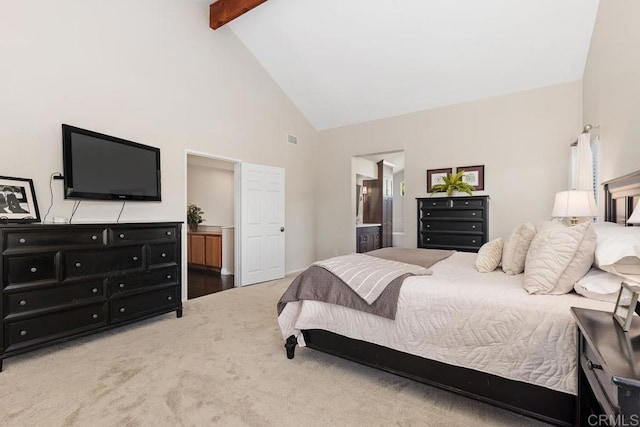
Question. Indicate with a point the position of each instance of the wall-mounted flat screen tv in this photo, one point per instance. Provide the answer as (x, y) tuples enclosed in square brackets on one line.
[(103, 167)]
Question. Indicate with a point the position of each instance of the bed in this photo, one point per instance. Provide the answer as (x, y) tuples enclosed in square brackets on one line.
[(480, 335)]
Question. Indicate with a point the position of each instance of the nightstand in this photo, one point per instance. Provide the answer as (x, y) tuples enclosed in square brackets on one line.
[(608, 370)]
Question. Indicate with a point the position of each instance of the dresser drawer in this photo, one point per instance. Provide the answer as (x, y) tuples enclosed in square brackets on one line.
[(85, 263), (162, 254), (467, 203), (24, 269), (443, 239), (454, 213), (140, 280), (470, 226), (145, 303), (435, 203), (31, 239), (600, 382), (24, 302), (23, 333), (124, 235)]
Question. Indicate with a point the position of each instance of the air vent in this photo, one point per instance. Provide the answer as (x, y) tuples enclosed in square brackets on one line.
[(292, 139)]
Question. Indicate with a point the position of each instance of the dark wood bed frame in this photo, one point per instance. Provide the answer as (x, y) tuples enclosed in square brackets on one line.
[(620, 196)]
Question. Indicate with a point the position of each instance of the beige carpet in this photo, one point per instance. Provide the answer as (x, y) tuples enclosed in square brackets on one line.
[(222, 364)]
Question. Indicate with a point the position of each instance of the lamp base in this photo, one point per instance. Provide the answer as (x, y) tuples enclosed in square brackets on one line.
[(574, 221)]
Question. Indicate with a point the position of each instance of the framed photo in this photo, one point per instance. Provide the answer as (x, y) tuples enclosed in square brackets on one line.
[(473, 175), (436, 176), (18, 200), (626, 305)]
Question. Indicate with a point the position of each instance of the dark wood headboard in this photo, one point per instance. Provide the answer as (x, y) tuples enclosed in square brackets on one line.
[(621, 195)]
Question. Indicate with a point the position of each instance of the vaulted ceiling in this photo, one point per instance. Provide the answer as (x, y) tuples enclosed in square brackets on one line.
[(348, 61)]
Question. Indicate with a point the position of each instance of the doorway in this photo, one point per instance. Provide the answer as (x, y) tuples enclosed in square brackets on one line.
[(379, 195), (210, 244)]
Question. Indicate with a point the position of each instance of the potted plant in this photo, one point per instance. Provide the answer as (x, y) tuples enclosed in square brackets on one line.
[(453, 182), (194, 216)]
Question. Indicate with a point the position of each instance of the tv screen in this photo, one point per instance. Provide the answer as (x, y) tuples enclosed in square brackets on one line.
[(103, 167)]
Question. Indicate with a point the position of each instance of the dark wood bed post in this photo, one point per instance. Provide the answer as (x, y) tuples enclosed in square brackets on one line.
[(290, 345)]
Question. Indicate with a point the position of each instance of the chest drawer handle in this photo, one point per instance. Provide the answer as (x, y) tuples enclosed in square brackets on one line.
[(23, 302), (466, 203), (473, 213), (122, 310), (473, 241), (168, 233), (428, 239), (169, 298), (78, 264), (135, 258), (33, 269), (473, 227), (23, 333), (121, 235), (163, 255), (593, 366), (434, 203), (428, 226), (94, 237), (22, 240), (121, 285), (94, 316), (94, 290), (168, 276), (428, 213)]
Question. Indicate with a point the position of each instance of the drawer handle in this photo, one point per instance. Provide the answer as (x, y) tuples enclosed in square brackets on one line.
[(22, 240), (23, 302), (121, 285), (434, 203), (428, 213), (593, 366), (94, 290), (94, 316), (428, 239), (94, 237), (473, 227), (78, 264), (466, 203), (23, 333), (473, 213), (33, 269), (169, 298), (163, 255), (121, 235), (428, 226), (135, 258), (122, 310), (168, 233), (168, 276), (473, 241)]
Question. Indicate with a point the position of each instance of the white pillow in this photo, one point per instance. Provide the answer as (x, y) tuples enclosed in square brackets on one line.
[(489, 256), (618, 249), (558, 257), (515, 249), (599, 285)]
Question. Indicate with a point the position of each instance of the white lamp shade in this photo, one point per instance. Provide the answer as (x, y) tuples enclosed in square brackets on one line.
[(574, 203), (635, 215)]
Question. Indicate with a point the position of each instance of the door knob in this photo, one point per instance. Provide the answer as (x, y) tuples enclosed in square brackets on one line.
[(282, 229)]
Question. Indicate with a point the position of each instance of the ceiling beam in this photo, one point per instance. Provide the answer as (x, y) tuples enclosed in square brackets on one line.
[(224, 11)]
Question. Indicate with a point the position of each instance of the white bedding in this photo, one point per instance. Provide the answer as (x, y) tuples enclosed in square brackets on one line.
[(482, 321)]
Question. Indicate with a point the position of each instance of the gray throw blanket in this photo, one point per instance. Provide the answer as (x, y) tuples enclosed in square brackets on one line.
[(318, 284), (368, 276)]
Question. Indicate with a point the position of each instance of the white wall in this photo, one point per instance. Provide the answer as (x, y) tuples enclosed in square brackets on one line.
[(522, 139), (212, 189), (151, 71), (611, 89)]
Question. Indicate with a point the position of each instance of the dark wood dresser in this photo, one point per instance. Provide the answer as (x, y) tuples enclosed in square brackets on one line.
[(460, 223), (64, 281), (608, 370)]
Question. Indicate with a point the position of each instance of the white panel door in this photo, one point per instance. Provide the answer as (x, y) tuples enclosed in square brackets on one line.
[(261, 223)]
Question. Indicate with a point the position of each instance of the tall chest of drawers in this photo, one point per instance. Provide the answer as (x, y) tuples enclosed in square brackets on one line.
[(65, 281), (460, 223)]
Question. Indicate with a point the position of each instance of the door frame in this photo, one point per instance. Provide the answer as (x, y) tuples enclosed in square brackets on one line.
[(237, 225)]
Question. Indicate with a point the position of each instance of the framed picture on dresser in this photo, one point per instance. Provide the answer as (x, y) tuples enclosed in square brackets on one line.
[(473, 175), (18, 200), (436, 176)]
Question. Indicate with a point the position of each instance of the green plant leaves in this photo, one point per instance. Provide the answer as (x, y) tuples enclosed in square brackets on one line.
[(453, 182)]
